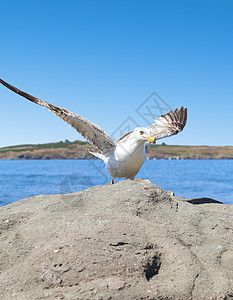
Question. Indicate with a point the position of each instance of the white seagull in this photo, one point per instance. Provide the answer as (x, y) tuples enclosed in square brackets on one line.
[(124, 157)]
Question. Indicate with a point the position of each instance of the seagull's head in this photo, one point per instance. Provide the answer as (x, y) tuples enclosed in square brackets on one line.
[(143, 134)]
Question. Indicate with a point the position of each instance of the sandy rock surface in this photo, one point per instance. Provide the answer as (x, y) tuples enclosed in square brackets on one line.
[(130, 240)]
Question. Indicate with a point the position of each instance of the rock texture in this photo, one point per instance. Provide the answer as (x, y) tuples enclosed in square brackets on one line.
[(130, 240)]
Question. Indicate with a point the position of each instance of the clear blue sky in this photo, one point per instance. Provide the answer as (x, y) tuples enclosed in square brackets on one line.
[(102, 59)]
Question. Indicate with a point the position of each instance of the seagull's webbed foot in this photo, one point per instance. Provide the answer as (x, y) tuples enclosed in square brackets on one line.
[(112, 182)]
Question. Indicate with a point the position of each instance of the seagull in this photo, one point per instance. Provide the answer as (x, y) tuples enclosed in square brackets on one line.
[(123, 158)]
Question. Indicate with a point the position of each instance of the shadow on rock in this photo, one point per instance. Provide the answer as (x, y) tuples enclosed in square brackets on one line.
[(203, 201)]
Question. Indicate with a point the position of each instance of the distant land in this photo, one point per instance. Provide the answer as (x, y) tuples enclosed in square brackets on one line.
[(78, 150)]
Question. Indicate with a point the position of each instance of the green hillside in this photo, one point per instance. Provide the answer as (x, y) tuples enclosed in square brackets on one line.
[(78, 150)]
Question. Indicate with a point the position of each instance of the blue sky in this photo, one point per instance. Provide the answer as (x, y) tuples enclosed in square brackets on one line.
[(102, 59)]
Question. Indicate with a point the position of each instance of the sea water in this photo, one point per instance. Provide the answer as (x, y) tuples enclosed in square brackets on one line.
[(186, 178)]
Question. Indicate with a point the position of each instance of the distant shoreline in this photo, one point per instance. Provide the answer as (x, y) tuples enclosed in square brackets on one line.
[(79, 150)]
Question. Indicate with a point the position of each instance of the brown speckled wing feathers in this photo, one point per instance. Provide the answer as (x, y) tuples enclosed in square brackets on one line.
[(169, 124), (90, 131)]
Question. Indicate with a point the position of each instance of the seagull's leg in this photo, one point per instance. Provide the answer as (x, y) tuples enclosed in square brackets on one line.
[(112, 182)]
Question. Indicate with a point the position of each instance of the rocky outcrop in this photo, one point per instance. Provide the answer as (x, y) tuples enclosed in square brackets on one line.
[(130, 240)]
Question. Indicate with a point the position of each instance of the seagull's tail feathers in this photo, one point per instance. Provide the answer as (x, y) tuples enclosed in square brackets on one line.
[(100, 155)]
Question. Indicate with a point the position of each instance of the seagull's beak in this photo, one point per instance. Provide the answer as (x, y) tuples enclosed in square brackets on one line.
[(150, 139)]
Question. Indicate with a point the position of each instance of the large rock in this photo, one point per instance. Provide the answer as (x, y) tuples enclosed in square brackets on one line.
[(130, 240)]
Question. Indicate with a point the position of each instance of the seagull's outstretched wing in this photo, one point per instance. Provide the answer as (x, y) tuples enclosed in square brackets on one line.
[(90, 131), (169, 124)]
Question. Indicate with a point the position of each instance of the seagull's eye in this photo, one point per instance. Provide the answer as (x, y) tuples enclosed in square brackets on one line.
[(141, 132)]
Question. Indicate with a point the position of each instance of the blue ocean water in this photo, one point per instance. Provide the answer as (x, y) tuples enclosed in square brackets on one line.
[(186, 178)]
